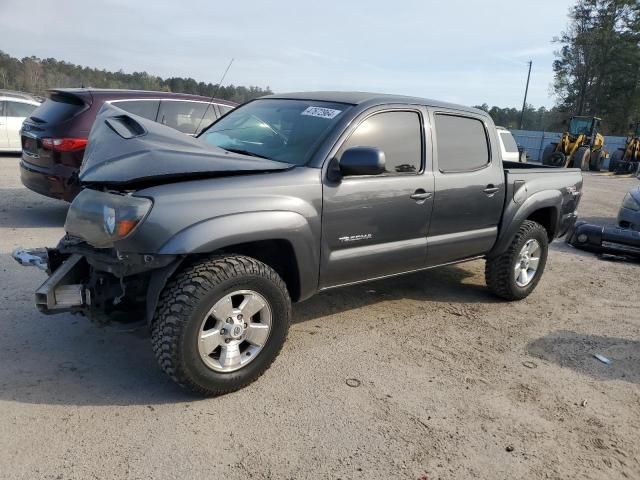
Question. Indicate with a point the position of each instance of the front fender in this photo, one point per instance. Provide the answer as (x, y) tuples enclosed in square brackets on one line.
[(516, 214), (226, 231)]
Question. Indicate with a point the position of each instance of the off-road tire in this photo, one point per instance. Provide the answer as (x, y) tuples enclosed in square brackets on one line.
[(499, 270), (615, 159), (184, 303), (596, 160), (581, 158), (546, 153)]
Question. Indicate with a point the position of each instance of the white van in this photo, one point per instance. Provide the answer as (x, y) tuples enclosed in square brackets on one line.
[(509, 147)]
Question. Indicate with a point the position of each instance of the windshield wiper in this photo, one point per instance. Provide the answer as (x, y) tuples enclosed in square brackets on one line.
[(246, 152)]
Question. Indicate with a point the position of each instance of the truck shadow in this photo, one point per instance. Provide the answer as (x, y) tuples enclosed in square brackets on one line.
[(66, 360), (450, 284), (23, 208), (576, 351)]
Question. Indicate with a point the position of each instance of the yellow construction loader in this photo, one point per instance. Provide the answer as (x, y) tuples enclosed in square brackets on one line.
[(627, 159), (581, 146)]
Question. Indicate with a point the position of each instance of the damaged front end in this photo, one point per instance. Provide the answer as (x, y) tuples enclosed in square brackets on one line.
[(88, 273), (98, 282), (64, 289), (104, 264)]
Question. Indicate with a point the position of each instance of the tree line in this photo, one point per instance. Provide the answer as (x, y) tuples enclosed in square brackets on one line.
[(36, 75), (596, 71), (597, 67), (550, 120)]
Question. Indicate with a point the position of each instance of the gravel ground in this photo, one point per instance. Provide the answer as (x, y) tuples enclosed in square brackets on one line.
[(452, 382)]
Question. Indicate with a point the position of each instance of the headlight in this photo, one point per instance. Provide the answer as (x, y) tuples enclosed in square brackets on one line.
[(630, 203), (102, 218)]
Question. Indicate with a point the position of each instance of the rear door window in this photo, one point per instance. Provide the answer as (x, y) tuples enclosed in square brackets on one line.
[(462, 143), (143, 108), (186, 117), (397, 134), (58, 108), (19, 109)]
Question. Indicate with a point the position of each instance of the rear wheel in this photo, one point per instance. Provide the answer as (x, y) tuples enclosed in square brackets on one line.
[(581, 158), (515, 274), (220, 323), (615, 159), (546, 153)]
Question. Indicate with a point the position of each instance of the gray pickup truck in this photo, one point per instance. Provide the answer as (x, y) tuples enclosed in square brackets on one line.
[(212, 238)]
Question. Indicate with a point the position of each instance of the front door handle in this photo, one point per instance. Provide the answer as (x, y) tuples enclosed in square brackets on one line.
[(491, 189), (420, 195)]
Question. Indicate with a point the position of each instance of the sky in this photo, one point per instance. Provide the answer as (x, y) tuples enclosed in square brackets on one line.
[(462, 51)]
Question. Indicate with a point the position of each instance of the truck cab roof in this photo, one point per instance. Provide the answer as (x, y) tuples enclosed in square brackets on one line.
[(369, 99)]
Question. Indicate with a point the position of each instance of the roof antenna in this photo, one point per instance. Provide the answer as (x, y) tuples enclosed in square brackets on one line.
[(215, 92)]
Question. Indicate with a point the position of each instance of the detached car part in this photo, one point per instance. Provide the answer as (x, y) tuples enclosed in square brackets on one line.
[(605, 239)]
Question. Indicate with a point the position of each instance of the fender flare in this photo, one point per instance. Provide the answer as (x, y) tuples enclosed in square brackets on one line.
[(511, 221), (234, 229)]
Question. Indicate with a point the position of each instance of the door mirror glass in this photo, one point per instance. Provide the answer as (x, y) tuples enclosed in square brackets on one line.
[(362, 161)]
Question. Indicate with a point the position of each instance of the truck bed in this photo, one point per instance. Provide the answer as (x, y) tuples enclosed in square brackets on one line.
[(534, 167)]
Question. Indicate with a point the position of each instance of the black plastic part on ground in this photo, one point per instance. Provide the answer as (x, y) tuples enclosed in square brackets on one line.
[(605, 239)]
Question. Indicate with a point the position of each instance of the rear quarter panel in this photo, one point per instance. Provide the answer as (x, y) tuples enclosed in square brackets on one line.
[(530, 189)]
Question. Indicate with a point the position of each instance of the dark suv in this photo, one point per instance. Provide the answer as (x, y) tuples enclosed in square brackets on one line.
[(54, 137)]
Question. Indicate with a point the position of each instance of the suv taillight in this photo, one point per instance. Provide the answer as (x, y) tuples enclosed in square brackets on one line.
[(64, 144)]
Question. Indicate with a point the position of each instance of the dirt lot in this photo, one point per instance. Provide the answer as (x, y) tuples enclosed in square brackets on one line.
[(449, 377)]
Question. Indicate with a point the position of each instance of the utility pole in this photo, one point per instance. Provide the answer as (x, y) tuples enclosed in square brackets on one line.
[(526, 91)]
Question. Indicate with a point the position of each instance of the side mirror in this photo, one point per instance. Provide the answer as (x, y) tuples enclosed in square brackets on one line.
[(362, 161), (565, 122)]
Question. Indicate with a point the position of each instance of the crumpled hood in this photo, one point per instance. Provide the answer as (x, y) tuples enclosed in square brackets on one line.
[(125, 148)]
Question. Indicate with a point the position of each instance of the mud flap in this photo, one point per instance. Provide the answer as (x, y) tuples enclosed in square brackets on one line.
[(157, 282)]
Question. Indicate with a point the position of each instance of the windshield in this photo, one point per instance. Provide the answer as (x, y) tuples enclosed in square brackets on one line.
[(580, 126), (283, 130)]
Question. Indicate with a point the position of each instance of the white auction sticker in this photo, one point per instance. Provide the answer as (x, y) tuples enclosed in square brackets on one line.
[(321, 112)]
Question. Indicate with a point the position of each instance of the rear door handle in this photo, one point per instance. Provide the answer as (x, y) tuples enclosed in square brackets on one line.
[(420, 195), (490, 190)]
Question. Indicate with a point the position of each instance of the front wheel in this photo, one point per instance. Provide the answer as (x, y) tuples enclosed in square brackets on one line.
[(515, 274), (581, 158), (596, 160), (220, 323)]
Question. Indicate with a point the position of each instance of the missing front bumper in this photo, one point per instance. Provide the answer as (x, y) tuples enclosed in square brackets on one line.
[(62, 290), (65, 289), (98, 282)]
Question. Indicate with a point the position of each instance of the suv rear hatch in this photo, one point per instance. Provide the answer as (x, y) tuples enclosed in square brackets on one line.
[(53, 134)]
